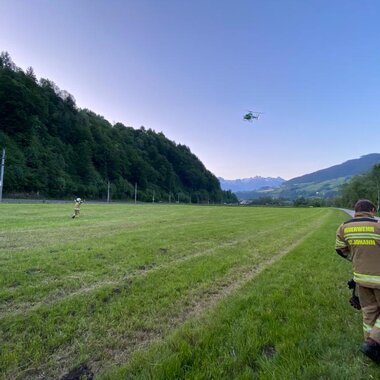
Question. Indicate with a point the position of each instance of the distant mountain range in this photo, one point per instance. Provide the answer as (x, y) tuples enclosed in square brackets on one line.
[(324, 183), (346, 169), (249, 184)]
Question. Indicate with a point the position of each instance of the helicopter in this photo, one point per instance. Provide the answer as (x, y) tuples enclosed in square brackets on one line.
[(252, 115)]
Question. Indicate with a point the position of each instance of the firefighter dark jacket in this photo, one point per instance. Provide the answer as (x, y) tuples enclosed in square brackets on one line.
[(358, 240)]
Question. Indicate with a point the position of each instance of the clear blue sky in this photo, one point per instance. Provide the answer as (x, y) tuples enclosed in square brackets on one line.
[(191, 69)]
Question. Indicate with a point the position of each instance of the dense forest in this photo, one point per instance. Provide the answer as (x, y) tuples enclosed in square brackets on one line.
[(362, 186), (56, 150)]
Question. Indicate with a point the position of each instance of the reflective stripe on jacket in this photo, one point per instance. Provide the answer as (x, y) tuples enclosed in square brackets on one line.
[(360, 238)]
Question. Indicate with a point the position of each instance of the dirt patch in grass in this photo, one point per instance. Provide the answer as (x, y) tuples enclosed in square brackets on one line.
[(33, 270), (79, 373), (268, 351), (146, 267), (114, 292)]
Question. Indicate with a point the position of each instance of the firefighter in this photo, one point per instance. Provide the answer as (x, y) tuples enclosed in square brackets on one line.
[(78, 202), (358, 240)]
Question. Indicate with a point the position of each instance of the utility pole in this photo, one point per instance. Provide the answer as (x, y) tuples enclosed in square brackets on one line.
[(108, 192), (2, 175), (135, 192)]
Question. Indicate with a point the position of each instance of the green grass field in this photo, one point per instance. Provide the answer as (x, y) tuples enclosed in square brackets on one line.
[(173, 292)]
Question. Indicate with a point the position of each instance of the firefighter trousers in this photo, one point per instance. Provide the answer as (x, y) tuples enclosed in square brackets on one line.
[(370, 303)]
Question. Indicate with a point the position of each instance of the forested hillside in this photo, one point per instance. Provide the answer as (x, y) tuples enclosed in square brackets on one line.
[(362, 186), (346, 169), (55, 149), (341, 184)]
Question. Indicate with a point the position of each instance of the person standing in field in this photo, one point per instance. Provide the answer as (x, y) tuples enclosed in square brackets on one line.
[(358, 240), (78, 202)]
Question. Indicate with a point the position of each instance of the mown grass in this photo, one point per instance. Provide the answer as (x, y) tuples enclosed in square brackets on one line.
[(153, 291)]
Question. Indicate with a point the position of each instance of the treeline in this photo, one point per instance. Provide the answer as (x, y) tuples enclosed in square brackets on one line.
[(361, 186), (54, 149), (298, 202)]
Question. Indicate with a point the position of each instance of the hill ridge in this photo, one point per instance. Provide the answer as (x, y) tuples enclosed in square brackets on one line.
[(348, 168)]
